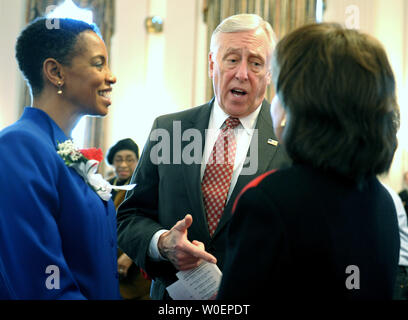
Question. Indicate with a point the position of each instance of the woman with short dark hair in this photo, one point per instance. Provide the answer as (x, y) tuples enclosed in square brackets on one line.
[(325, 228), (338, 89), (57, 222)]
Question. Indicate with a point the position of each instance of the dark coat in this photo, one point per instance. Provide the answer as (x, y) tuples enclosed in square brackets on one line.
[(301, 234)]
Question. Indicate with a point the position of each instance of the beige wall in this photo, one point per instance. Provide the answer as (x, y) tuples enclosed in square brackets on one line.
[(157, 73), (11, 22)]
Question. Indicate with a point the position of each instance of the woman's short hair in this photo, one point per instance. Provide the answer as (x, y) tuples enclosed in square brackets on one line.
[(38, 41), (338, 90), (239, 23)]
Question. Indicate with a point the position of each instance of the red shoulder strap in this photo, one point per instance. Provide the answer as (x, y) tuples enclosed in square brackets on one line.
[(252, 184)]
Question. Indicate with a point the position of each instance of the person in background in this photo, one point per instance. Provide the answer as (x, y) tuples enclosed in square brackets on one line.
[(401, 285), (57, 222), (175, 217), (325, 228), (403, 194), (124, 156)]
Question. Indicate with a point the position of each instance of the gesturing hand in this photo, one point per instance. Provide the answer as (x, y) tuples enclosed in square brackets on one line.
[(182, 253), (124, 263)]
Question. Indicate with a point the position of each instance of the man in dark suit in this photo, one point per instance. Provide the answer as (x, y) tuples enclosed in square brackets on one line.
[(170, 221), (404, 193)]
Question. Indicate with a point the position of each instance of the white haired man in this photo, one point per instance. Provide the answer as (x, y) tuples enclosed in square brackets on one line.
[(177, 214)]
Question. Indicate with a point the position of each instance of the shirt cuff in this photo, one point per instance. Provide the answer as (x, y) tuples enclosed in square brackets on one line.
[(154, 252)]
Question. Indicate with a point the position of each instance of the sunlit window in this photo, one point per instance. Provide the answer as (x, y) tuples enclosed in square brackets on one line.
[(68, 9), (319, 11)]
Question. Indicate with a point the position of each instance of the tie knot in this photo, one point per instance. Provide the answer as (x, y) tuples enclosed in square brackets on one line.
[(232, 122)]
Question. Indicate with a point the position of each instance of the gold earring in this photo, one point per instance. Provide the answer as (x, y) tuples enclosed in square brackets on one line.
[(59, 92), (283, 122)]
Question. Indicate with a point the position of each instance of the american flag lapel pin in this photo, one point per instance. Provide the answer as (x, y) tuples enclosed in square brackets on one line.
[(273, 142)]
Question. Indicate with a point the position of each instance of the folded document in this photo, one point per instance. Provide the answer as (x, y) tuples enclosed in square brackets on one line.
[(200, 283)]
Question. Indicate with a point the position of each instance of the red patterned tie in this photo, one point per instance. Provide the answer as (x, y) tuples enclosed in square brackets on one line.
[(218, 173)]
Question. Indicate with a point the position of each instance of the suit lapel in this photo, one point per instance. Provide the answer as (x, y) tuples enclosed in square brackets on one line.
[(266, 152), (192, 172), (266, 139)]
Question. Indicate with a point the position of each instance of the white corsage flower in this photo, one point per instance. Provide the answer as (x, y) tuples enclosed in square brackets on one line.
[(85, 162)]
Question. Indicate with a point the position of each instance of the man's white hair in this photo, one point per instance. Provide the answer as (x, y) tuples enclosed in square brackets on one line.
[(239, 23)]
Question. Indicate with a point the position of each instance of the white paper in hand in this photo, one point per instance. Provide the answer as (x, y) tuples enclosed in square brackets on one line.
[(200, 283)]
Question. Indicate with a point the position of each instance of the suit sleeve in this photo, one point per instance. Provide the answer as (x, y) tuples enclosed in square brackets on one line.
[(137, 218), (30, 242), (256, 249)]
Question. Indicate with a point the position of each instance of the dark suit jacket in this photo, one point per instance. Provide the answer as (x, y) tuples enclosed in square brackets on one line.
[(165, 193), (300, 233)]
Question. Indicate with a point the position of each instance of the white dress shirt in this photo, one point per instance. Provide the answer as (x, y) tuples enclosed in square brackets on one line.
[(243, 135), (402, 224)]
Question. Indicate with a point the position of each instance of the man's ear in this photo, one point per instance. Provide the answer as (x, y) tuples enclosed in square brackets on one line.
[(211, 64), (53, 71), (268, 77)]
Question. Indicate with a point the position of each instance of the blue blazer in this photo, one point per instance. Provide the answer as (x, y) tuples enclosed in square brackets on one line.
[(57, 236)]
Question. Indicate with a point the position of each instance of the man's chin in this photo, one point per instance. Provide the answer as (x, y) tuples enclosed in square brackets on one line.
[(237, 110)]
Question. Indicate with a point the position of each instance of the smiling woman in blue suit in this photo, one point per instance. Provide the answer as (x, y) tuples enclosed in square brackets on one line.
[(57, 223)]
